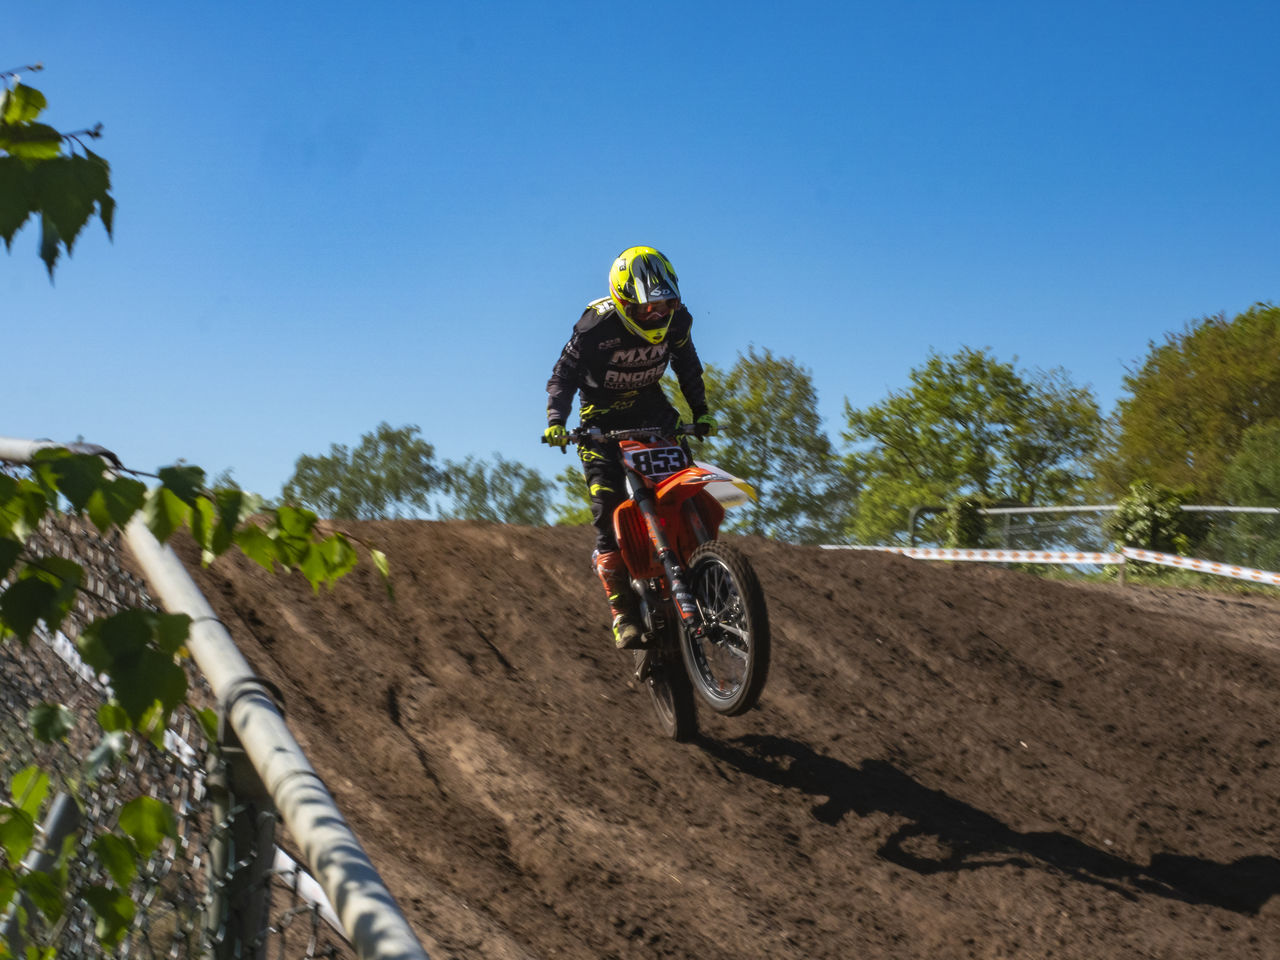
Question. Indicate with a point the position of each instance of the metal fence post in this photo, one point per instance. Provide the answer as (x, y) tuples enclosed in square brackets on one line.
[(241, 852), (62, 819)]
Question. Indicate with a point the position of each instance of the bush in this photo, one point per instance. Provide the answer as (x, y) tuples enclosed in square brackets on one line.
[(1151, 518), (965, 526)]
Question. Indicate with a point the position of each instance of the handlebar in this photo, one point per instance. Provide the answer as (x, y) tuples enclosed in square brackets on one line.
[(581, 435)]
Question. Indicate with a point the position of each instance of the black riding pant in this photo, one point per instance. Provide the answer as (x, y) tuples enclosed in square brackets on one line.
[(602, 467)]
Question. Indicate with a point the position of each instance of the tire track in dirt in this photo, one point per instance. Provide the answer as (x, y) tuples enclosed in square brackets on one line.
[(949, 760)]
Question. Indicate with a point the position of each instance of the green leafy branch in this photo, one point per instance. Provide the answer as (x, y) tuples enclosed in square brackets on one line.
[(139, 651), (37, 178), (143, 824)]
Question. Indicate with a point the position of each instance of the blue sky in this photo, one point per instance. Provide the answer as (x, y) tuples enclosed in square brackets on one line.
[(332, 215)]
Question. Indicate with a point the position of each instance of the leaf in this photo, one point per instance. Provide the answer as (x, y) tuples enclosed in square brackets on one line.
[(17, 830), (135, 650), (29, 789), (164, 512), (208, 718), (111, 717), (313, 567), (257, 546), (16, 197), (66, 192), (100, 161), (51, 722), (22, 104), (22, 510), (10, 550), (171, 631), (30, 141), (43, 890), (74, 475), (339, 556), (8, 887), (147, 822), (64, 576), (202, 527), (296, 521), (49, 244), (380, 562), (22, 605), (234, 507), (116, 502), (120, 637), (152, 677), (107, 213), (153, 723), (115, 914), (185, 481), (119, 857)]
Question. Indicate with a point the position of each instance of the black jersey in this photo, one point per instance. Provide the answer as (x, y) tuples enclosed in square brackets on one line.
[(617, 373)]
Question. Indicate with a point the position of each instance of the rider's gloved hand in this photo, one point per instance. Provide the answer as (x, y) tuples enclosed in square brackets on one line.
[(557, 436), (704, 426)]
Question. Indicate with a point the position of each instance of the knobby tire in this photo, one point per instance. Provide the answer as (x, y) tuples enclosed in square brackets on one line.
[(673, 698), (730, 665)]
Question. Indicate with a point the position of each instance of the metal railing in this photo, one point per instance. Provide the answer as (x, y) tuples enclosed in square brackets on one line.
[(1232, 534), (222, 888)]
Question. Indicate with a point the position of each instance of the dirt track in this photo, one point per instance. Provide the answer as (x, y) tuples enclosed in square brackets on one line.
[(949, 761)]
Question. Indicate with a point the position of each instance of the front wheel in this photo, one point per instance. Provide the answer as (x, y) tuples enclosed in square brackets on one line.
[(728, 658)]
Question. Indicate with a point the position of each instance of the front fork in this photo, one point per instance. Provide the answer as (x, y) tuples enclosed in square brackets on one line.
[(685, 604)]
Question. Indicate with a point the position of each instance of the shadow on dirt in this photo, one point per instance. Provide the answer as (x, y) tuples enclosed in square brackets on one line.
[(944, 834)]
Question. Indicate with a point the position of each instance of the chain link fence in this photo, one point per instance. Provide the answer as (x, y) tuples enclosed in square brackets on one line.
[(1244, 536), (181, 894)]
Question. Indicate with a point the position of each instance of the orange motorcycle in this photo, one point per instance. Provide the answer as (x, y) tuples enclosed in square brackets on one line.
[(705, 620)]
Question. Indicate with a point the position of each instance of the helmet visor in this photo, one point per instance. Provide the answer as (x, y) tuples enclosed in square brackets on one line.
[(651, 315)]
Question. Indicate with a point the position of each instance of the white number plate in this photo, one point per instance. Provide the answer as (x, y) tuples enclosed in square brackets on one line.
[(656, 463)]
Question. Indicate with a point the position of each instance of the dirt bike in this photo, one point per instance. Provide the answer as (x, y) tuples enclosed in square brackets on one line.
[(706, 626)]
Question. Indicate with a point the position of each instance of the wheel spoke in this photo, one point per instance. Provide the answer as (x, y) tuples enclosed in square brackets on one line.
[(722, 656)]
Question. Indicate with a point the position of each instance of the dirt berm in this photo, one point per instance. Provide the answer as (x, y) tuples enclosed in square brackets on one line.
[(948, 761)]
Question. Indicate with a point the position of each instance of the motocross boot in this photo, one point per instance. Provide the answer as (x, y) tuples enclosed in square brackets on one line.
[(627, 633)]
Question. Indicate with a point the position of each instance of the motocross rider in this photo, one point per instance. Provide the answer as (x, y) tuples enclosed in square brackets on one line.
[(614, 360)]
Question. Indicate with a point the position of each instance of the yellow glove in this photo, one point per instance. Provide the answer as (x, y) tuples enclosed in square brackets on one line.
[(557, 436)]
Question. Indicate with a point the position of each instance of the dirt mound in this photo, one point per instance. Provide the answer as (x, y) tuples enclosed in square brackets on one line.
[(949, 761)]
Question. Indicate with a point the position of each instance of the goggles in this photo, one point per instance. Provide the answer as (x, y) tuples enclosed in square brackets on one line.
[(653, 313)]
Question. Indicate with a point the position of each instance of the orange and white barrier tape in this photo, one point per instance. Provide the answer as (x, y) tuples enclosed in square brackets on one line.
[(1204, 566), (997, 556), (1073, 557)]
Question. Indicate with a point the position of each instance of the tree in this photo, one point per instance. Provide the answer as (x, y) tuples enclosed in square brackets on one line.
[(390, 474), (37, 178), (575, 509), (771, 435), (1188, 406), (969, 426), (504, 492), (1253, 480)]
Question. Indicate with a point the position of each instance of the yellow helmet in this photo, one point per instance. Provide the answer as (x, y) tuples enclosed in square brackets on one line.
[(646, 291)]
